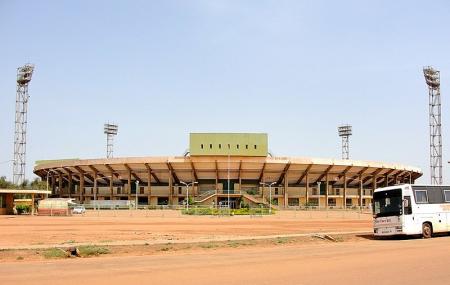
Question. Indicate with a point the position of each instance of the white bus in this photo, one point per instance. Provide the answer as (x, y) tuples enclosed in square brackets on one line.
[(411, 210)]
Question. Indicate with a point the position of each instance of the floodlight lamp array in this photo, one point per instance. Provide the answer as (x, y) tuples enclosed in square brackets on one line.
[(345, 130), (432, 77), (111, 129), (24, 74)]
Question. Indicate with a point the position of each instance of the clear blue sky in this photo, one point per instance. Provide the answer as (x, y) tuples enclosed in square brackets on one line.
[(162, 69)]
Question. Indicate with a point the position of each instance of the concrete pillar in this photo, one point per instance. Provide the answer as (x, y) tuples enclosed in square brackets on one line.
[(95, 186), (60, 184), (149, 186), (81, 187), (286, 190), (53, 183), (129, 185), (70, 184), (326, 190), (263, 187), (240, 181), (360, 190), (307, 189), (170, 188), (149, 183), (32, 204), (217, 185), (111, 186), (217, 178), (344, 200), (374, 183)]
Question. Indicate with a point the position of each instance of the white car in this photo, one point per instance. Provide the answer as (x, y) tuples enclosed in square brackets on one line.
[(78, 210)]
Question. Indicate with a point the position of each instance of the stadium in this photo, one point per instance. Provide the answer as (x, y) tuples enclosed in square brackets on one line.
[(224, 169)]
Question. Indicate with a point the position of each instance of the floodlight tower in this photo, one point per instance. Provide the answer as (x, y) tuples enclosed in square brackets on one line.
[(432, 78), (110, 130), (24, 74), (345, 131)]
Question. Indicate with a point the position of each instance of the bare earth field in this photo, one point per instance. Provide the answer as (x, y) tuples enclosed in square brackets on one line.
[(156, 226), (166, 248)]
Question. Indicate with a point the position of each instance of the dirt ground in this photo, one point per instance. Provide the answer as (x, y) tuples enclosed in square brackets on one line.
[(349, 262), (164, 247), (161, 226)]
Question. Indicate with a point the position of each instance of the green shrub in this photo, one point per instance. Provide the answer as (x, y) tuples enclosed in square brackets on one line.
[(226, 211), (23, 209), (282, 240), (54, 253), (93, 250), (245, 205), (200, 211), (252, 192)]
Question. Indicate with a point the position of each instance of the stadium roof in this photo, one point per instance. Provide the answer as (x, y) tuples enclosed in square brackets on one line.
[(267, 169)]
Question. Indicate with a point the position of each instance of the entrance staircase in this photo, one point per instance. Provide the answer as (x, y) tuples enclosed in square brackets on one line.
[(205, 196)]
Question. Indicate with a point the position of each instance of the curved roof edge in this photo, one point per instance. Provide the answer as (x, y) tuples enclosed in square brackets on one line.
[(42, 164)]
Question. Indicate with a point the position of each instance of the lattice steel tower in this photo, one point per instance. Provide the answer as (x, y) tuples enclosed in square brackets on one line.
[(345, 131), (432, 78), (24, 74), (110, 130)]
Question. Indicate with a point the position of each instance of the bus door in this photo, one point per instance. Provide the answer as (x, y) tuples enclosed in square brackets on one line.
[(408, 217)]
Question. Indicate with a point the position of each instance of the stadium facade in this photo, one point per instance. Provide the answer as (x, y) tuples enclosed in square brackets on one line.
[(235, 167)]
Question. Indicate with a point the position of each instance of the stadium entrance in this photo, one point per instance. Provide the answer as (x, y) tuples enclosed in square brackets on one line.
[(234, 202)]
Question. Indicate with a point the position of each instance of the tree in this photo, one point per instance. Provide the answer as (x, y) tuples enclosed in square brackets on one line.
[(24, 184), (5, 184), (38, 184)]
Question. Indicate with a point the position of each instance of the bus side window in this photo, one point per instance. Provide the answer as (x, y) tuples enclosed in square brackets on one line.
[(407, 205)]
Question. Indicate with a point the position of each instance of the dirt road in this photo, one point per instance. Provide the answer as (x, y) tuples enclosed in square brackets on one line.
[(412, 261)]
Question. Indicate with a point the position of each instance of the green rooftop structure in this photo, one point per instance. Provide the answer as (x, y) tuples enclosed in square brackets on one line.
[(234, 144)]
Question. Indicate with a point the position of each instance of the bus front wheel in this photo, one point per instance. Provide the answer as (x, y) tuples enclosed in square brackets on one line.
[(427, 230)]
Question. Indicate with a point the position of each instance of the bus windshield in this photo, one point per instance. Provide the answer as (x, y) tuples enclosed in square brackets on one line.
[(388, 203)]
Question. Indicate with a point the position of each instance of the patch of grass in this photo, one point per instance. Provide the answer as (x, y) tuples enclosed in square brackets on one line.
[(92, 250), (54, 253), (282, 240), (233, 244), (69, 241), (208, 245)]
